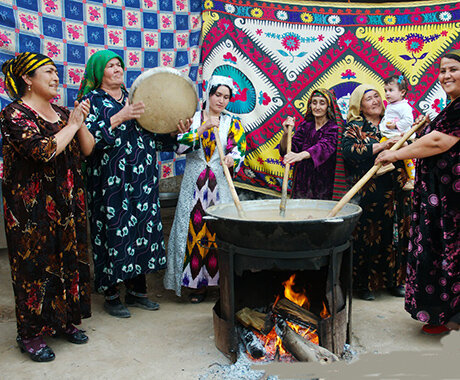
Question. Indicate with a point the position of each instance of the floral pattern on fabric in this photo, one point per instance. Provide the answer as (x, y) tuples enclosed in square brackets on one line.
[(433, 268), (45, 222), (381, 235), (124, 207)]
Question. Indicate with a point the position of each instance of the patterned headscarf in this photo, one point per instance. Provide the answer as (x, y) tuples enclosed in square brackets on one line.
[(453, 54), (333, 111), (354, 109), (94, 71), (22, 64)]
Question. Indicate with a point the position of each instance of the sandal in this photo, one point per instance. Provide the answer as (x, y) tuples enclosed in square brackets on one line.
[(197, 297)]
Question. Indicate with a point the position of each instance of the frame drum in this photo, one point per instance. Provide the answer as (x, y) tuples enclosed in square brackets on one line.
[(168, 97)]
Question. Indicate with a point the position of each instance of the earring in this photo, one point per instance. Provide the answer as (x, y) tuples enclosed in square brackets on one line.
[(29, 88)]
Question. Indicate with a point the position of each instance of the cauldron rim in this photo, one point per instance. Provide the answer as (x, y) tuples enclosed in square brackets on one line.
[(355, 211)]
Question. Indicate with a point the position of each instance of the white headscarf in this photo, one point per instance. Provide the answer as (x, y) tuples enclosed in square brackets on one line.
[(218, 80)]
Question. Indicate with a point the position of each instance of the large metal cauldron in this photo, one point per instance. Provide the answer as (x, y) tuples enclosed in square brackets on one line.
[(306, 226)]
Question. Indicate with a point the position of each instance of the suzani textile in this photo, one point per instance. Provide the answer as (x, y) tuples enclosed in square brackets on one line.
[(278, 52), (145, 33)]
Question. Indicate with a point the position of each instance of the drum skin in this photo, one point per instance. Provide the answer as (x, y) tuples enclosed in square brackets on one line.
[(168, 97)]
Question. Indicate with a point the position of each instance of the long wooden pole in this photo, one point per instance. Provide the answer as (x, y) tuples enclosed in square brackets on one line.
[(286, 174), (366, 177), (228, 176)]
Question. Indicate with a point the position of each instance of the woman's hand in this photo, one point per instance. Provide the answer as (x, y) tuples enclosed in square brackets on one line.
[(386, 157), (211, 122), (79, 113), (184, 127), (131, 111), (292, 157), (389, 143), (228, 161), (289, 122)]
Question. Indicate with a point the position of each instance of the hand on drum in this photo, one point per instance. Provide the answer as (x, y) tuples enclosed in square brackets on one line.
[(228, 161), (131, 111), (182, 127)]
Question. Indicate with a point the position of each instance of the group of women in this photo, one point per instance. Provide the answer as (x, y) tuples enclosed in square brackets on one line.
[(45, 189)]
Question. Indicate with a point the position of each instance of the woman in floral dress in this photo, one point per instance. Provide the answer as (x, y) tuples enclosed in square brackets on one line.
[(44, 206), (190, 262), (433, 268)]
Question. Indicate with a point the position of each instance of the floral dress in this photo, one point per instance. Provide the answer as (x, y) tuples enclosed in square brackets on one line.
[(381, 235), (45, 222), (433, 268), (190, 261), (123, 194)]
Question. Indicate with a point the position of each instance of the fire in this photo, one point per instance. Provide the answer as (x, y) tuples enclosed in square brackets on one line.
[(324, 313), (298, 298)]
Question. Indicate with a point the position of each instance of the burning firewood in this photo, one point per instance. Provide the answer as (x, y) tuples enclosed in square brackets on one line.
[(290, 310), (251, 318), (303, 350), (253, 345)]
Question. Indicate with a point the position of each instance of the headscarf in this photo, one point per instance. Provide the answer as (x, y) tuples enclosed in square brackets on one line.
[(94, 71), (354, 109), (333, 111), (22, 64), (454, 54), (216, 81)]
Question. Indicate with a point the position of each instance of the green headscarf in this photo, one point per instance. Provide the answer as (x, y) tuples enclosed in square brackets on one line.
[(95, 71)]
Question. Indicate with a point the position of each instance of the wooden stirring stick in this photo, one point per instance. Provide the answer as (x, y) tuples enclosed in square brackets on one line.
[(228, 176), (366, 177), (286, 174)]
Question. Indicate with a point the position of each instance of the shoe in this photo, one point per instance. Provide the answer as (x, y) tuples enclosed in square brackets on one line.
[(384, 169), (398, 291), (117, 310), (76, 336), (141, 302), (435, 330), (197, 297), (36, 348), (367, 295)]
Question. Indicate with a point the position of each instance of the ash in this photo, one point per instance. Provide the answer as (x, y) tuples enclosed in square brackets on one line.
[(241, 370)]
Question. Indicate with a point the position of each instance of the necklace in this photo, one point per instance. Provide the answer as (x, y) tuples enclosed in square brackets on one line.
[(121, 97)]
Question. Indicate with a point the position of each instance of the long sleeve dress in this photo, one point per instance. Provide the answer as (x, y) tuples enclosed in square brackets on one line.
[(190, 263), (314, 178), (123, 194), (381, 235), (45, 222), (433, 266)]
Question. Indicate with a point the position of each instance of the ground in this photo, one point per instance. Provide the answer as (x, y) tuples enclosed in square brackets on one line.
[(177, 342)]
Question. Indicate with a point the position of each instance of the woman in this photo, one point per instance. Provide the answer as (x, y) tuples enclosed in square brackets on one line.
[(44, 200), (192, 257), (122, 181), (381, 235), (433, 268), (313, 147)]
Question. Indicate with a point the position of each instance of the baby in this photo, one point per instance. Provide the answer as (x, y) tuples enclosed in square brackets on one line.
[(398, 118)]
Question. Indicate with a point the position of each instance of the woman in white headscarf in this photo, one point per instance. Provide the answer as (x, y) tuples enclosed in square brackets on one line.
[(192, 258)]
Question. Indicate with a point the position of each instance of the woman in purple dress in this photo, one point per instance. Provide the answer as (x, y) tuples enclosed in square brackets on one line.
[(433, 268), (314, 147)]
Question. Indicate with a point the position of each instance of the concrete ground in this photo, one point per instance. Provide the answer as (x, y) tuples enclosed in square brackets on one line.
[(176, 342)]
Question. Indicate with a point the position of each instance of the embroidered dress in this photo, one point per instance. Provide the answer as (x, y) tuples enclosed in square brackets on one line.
[(190, 261), (381, 235), (124, 208), (433, 268), (45, 222)]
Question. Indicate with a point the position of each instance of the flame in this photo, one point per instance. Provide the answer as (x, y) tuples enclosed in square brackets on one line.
[(324, 313), (298, 298)]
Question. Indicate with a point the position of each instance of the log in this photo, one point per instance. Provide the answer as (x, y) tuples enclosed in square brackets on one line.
[(291, 310), (252, 343), (302, 349), (251, 318)]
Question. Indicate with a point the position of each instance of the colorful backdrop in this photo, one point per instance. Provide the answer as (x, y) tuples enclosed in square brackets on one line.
[(145, 33), (277, 52)]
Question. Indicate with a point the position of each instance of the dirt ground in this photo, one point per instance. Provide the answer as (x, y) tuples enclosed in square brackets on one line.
[(177, 342)]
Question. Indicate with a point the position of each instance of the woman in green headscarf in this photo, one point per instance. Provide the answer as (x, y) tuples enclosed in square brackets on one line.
[(122, 183), (45, 212), (381, 236)]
